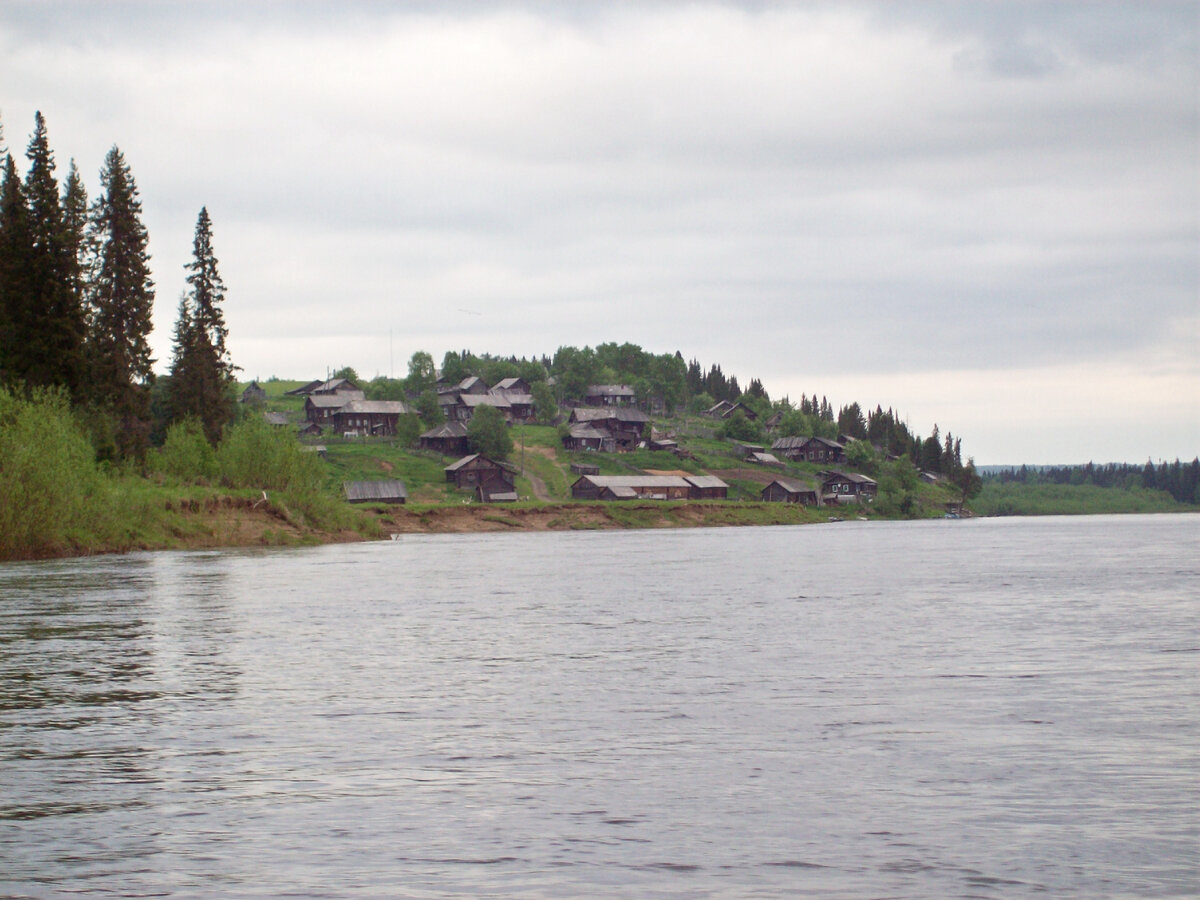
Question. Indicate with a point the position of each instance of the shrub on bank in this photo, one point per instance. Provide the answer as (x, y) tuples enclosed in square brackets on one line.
[(186, 454), (48, 475), (254, 455)]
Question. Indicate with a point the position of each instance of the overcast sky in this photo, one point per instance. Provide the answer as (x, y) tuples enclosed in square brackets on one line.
[(984, 215)]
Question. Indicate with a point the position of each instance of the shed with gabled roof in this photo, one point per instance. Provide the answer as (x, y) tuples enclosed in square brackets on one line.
[(393, 492)]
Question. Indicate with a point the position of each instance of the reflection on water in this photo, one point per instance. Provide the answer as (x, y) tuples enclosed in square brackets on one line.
[(984, 709)]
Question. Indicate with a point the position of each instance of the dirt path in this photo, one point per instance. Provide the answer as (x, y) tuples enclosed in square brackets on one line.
[(539, 487)]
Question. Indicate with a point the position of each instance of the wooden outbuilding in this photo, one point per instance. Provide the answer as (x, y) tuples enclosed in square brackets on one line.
[(630, 487), (785, 490), (706, 487), (449, 438), (393, 492), (254, 393), (478, 471)]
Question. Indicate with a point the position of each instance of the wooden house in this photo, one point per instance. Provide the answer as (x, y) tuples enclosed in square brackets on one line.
[(276, 419), (706, 487), (393, 492), (449, 438), (319, 408), (609, 395), (624, 424), (725, 409), (785, 490), (341, 386), (472, 402), (512, 386), (823, 450), (630, 487), (254, 393), (368, 417), (304, 390), (477, 471), (472, 384), (585, 468), (847, 487), (718, 409), (810, 449), (582, 436)]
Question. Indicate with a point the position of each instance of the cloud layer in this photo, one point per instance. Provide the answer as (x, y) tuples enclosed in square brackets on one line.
[(842, 197)]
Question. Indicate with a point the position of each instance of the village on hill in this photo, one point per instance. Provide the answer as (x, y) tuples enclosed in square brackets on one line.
[(607, 446)]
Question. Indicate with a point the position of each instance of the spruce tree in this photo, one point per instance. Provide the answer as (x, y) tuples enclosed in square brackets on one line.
[(120, 301), (74, 230), (201, 371), (53, 330), (16, 248)]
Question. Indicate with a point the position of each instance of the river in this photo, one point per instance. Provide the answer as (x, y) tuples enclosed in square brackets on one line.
[(974, 708)]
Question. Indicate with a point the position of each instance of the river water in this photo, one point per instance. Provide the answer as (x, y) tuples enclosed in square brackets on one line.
[(987, 708)]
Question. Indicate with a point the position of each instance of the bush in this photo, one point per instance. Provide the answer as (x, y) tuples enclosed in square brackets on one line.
[(488, 434), (186, 454), (48, 475), (254, 455)]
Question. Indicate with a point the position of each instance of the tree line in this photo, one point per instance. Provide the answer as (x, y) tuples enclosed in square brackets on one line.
[(1180, 480), (76, 299)]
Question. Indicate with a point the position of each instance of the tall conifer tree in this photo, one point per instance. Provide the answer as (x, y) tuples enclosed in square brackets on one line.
[(75, 222), (201, 372), (16, 247), (53, 333), (121, 297)]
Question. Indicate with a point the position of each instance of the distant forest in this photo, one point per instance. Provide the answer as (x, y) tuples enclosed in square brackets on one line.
[(1180, 480)]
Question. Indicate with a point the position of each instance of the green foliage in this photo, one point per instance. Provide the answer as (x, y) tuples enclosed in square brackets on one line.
[(346, 372), (201, 385), (422, 374), (383, 388), (739, 427), (488, 434), (254, 455), (408, 429), (120, 299), (48, 476), (1016, 499), (429, 410), (545, 406), (186, 454), (862, 456)]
